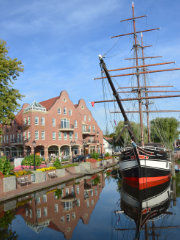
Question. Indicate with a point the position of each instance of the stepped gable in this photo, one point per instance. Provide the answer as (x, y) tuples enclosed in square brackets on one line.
[(19, 116)]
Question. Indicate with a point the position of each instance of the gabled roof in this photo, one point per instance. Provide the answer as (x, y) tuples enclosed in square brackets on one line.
[(49, 103)]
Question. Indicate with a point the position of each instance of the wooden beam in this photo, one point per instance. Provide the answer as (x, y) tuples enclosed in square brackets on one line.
[(128, 19), (146, 87), (126, 34), (152, 111), (140, 66), (146, 91), (135, 74), (142, 57), (139, 99)]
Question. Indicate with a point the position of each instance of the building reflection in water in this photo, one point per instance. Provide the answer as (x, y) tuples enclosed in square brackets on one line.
[(144, 207), (61, 207)]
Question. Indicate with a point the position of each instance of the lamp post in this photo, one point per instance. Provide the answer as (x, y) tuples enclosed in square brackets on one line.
[(34, 145)]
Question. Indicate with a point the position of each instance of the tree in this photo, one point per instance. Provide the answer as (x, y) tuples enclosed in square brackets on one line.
[(9, 96), (125, 138), (164, 130)]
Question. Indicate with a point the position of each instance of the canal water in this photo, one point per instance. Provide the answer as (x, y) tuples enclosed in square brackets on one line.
[(94, 207)]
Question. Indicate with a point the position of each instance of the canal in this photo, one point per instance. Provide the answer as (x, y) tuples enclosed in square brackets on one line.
[(100, 206)]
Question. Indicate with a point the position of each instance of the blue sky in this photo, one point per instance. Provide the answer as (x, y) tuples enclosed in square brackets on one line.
[(58, 42)]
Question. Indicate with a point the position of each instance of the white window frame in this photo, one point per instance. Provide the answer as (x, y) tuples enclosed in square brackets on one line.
[(36, 120), (43, 135), (59, 111), (59, 135), (54, 135), (65, 110), (36, 135), (75, 124), (42, 121), (53, 122)]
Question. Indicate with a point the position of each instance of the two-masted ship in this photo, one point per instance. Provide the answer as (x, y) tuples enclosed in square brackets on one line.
[(143, 165)]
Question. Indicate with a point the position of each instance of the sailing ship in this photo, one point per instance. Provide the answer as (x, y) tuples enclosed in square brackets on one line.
[(145, 165)]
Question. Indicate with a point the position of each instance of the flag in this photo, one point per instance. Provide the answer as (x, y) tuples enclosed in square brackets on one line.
[(92, 103)]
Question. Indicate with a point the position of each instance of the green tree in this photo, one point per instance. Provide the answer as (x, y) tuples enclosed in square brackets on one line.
[(5, 166), (9, 96), (164, 130), (125, 138)]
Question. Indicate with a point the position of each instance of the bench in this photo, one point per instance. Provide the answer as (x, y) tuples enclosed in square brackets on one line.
[(52, 174), (23, 180)]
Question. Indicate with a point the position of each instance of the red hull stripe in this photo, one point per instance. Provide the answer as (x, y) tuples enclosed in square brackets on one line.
[(146, 182)]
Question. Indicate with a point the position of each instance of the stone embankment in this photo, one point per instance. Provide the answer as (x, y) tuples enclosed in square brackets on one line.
[(12, 187)]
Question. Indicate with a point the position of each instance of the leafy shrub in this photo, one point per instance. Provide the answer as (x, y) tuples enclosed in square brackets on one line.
[(95, 155), (5, 166), (107, 155), (29, 160), (57, 163)]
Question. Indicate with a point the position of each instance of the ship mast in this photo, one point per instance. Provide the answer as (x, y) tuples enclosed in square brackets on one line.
[(138, 81), (146, 93)]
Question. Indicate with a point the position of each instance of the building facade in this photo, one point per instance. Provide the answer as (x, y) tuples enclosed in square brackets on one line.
[(57, 126)]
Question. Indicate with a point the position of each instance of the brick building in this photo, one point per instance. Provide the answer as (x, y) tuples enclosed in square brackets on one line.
[(59, 128)]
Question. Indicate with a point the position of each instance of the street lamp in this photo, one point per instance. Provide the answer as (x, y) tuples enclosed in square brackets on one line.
[(34, 145)]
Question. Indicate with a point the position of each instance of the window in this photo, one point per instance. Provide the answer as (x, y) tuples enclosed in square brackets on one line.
[(93, 128), (25, 136), (29, 121), (65, 136), (45, 211), (56, 208), (67, 206), (75, 124), (59, 110), (68, 217), (36, 119), (38, 213), (70, 135), (44, 198), (54, 135), (53, 122), (76, 136), (84, 117), (77, 190), (64, 100), (65, 123), (25, 121), (38, 200), (89, 118), (62, 218), (67, 191), (43, 135), (65, 110), (43, 121), (59, 135), (7, 138), (36, 135), (29, 135), (78, 202), (73, 215), (70, 112), (89, 128)]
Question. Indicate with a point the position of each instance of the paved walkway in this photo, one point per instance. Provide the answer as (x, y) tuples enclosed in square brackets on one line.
[(33, 187)]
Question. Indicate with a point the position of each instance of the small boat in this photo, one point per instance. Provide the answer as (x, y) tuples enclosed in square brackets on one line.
[(145, 165)]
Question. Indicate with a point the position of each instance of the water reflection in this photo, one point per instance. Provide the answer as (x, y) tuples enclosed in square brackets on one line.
[(144, 206), (58, 208)]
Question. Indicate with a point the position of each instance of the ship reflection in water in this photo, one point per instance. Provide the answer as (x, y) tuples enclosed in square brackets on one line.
[(144, 207)]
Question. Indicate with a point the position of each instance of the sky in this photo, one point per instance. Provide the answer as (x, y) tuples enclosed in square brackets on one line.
[(58, 42)]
